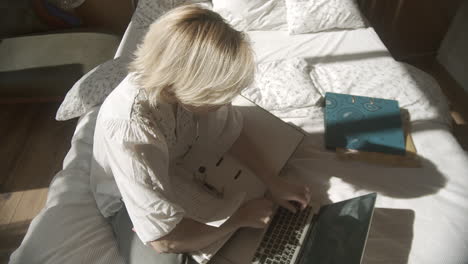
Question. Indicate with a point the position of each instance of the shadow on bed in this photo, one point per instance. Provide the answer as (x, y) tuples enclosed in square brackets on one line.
[(319, 166), (313, 159), (391, 235), (347, 57)]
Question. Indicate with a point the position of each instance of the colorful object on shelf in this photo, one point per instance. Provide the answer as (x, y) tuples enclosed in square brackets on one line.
[(55, 16)]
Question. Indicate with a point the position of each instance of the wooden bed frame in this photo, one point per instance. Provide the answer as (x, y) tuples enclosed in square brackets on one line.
[(410, 28)]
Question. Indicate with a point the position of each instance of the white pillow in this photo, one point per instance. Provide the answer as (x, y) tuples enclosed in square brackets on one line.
[(247, 15), (147, 11), (306, 16), (92, 89), (385, 78), (283, 85)]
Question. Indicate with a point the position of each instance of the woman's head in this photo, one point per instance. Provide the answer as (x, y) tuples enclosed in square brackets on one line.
[(193, 57)]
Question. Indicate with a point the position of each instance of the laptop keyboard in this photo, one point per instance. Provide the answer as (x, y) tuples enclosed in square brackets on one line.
[(281, 239)]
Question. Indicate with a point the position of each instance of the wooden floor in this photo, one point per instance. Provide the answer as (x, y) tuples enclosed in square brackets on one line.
[(33, 146)]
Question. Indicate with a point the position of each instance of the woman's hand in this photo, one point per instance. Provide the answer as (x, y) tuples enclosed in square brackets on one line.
[(284, 192), (255, 213)]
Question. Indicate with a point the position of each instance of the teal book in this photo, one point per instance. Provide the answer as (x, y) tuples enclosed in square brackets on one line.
[(363, 123)]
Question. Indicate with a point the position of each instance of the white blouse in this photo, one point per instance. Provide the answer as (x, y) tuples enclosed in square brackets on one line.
[(135, 151)]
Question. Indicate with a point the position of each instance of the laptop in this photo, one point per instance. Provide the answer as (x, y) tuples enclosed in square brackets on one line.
[(274, 139), (336, 233)]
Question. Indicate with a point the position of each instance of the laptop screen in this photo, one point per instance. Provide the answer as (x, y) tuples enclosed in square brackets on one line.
[(339, 232)]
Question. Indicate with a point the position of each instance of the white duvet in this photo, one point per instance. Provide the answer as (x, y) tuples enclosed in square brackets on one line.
[(421, 213)]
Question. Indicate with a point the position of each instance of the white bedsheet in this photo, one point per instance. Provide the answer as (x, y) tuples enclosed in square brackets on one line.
[(338, 45), (421, 214)]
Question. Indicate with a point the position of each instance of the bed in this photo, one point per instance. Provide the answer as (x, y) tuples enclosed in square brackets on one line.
[(421, 213)]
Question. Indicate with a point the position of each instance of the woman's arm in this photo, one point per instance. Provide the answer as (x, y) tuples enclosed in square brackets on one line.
[(282, 191), (190, 235)]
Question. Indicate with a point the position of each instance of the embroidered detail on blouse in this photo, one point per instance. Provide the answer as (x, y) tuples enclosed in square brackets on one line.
[(160, 119), (152, 118)]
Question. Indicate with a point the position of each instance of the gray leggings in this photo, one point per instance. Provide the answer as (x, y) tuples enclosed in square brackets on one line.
[(133, 250)]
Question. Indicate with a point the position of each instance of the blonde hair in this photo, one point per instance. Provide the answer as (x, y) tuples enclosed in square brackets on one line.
[(192, 56)]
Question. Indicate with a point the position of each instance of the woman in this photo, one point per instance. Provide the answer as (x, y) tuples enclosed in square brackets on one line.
[(185, 74)]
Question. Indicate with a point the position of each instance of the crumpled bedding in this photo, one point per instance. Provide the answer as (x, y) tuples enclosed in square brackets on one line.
[(70, 228), (282, 85), (415, 90), (382, 77)]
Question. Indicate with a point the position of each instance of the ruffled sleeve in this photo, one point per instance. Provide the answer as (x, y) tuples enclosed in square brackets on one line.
[(139, 161)]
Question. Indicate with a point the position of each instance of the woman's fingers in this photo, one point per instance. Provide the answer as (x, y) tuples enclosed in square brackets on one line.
[(302, 197), (266, 220), (286, 194), (308, 194), (255, 213), (305, 197), (286, 204)]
